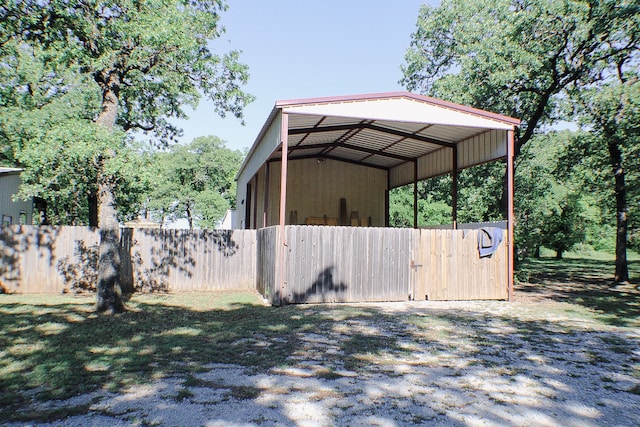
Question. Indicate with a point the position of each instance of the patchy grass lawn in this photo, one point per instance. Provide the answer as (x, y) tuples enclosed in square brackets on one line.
[(56, 347), (586, 280)]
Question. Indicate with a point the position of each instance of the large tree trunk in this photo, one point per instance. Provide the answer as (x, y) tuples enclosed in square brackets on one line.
[(622, 269), (109, 292)]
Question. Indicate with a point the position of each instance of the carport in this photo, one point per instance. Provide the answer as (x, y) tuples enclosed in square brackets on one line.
[(332, 161)]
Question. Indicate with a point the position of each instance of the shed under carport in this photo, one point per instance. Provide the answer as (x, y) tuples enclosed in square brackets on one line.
[(332, 161)]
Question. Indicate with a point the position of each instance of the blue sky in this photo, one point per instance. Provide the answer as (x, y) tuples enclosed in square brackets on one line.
[(304, 49)]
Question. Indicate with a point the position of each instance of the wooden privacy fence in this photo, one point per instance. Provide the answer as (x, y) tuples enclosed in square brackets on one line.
[(38, 259), (294, 264), (356, 264)]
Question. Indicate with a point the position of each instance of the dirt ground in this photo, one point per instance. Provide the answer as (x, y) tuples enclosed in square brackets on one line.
[(557, 356)]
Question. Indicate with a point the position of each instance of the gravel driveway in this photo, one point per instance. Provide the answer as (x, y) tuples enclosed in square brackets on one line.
[(531, 362)]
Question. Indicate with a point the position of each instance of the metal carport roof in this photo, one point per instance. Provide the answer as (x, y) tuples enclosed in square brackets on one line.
[(383, 130)]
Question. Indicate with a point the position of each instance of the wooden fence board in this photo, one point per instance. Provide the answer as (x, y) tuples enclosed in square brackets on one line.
[(38, 259), (322, 264), (453, 269), (57, 259), (267, 280), (347, 264)]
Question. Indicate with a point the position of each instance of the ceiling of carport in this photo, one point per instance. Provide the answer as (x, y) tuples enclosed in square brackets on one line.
[(381, 130)]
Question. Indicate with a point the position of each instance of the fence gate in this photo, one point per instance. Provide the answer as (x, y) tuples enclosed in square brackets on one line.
[(448, 266)]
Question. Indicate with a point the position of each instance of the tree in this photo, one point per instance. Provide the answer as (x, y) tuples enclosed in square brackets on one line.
[(42, 101), (535, 182), (479, 193), (613, 113), (197, 182), (159, 199), (564, 226), (517, 57), (555, 207), (146, 59)]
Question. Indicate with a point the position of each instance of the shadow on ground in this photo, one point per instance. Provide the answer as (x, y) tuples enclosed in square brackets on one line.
[(585, 282), (426, 365)]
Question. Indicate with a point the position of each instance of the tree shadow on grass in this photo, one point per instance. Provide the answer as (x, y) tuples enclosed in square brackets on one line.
[(15, 240), (152, 260), (585, 282), (58, 351), (436, 359)]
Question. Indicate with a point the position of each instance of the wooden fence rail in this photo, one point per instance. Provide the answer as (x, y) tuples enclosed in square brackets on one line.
[(64, 259)]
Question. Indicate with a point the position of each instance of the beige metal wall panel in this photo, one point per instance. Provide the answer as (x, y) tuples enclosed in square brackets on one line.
[(262, 191), (401, 175), (257, 157), (315, 187), (482, 148), (274, 194), (241, 193), (437, 163), (260, 184)]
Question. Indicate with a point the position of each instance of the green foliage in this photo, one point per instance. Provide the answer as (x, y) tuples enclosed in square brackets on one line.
[(534, 182), (37, 95), (585, 163), (526, 59), (611, 112), (564, 227), (128, 65), (153, 56), (554, 205), (195, 181), (479, 190), (430, 211), (60, 149), (515, 57), (46, 127), (479, 193)]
